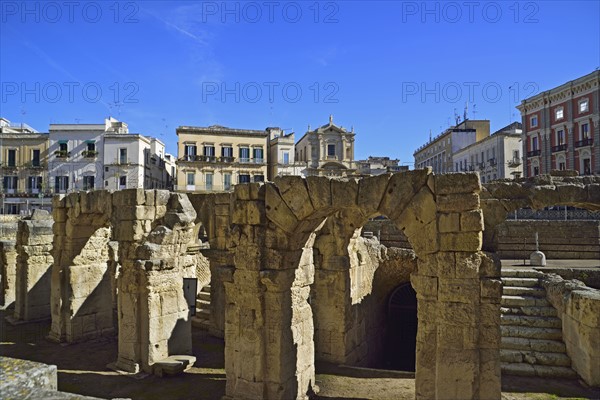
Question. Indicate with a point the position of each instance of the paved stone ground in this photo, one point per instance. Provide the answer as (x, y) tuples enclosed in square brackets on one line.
[(82, 369)]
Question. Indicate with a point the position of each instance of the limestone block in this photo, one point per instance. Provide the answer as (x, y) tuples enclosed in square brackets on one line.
[(449, 222), (457, 202), (471, 221), (461, 314), (58, 201), (136, 212), (458, 290), (277, 210), (593, 193), (425, 286), (463, 241), (319, 190), (344, 193), (402, 186), (457, 183), (129, 197), (457, 374), (491, 290), (294, 192), (370, 192)]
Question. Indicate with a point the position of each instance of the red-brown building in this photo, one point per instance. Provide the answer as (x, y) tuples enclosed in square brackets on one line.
[(561, 128)]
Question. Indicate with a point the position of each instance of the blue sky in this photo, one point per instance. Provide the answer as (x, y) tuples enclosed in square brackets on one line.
[(392, 70)]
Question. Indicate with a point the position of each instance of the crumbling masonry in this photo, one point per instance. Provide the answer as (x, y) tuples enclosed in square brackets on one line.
[(288, 276)]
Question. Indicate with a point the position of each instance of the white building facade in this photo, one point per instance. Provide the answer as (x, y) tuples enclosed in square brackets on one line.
[(281, 158), (495, 157)]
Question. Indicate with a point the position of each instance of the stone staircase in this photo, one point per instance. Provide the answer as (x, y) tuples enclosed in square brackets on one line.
[(532, 342), (202, 318)]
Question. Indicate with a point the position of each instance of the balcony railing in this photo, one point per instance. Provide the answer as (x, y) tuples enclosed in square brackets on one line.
[(207, 159), (584, 142), (203, 188), (515, 162), (62, 153), (560, 147), (534, 153), (492, 161), (89, 153)]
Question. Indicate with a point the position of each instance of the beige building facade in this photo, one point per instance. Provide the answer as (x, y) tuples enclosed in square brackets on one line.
[(215, 158), (23, 169), (282, 155), (327, 151), (437, 152)]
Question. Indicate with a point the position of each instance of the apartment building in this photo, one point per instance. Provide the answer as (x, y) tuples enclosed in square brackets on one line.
[(23, 169), (327, 151), (497, 156), (215, 158), (104, 156), (561, 128), (281, 159), (438, 151)]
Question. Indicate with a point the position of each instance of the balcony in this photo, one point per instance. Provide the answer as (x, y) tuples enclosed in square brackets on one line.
[(585, 142), (514, 163), (492, 161), (207, 159), (62, 153), (534, 153), (36, 165), (560, 147), (9, 167), (89, 153)]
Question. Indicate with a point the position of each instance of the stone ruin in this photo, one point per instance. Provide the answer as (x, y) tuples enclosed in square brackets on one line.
[(289, 276)]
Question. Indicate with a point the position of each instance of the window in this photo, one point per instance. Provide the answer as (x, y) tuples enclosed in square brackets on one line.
[(259, 178), (562, 165), (62, 147), (61, 184), (12, 157), (209, 150), (227, 151), (585, 131), (583, 106), (244, 178), (244, 155), (559, 113), (331, 150), (122, 182), (122, 156), (88, 182), (227, 181), (191, 179), (35, 158), (11, 183), (189, 152), (91, 146), (34, 184), (560, 137), (533, 121), (534, 143), (209, 181), (286, 157), (587, 166), (536, 171), (257, 153)]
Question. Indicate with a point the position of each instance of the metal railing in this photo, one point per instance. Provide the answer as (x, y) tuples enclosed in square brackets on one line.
[(584, 142), (558, 213), (560, 147), (534, 153)]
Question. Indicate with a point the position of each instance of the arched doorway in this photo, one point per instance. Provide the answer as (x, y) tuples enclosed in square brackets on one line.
[(401, 337)]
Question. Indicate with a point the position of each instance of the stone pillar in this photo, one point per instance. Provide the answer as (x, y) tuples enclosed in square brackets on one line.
[(8, 271), (154, 318), (34, 263), (458, 292)]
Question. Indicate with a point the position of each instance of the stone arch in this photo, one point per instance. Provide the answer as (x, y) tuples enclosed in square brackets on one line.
[(153, 229), (457, 350), (500, 198)]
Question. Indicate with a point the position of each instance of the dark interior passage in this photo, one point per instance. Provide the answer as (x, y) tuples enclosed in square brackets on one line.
[(401, 332)]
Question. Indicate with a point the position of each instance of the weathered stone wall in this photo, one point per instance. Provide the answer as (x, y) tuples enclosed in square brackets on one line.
[(34, 264), (589, 276), (558, 239), (499, 198), (153, 229), (8, 259), (579, 309)]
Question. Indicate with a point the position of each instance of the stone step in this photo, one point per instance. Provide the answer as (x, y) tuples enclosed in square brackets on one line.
[(530, 332), (523, 301), (548, 311), (535, 358), (202, 305), (524, 291), (521, 282), (204, 296), (205, 289), (200, 322), (516, 343), (524, 320), (543, 371), (520, 273)]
